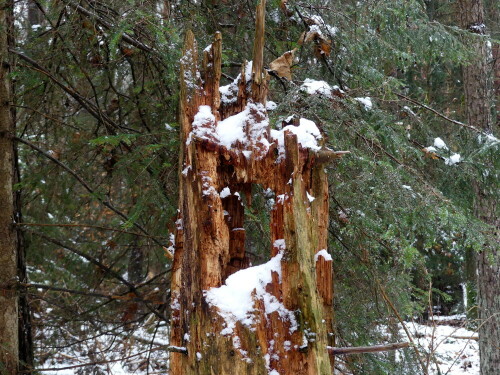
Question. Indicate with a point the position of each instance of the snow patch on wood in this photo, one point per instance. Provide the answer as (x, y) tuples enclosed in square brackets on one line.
[(323, 253), (235, 300)]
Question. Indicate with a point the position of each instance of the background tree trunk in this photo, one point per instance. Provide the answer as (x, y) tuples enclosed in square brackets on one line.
[(210, 239), (9, 349), (478, 96)]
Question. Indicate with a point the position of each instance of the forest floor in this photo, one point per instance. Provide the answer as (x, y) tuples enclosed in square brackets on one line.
[(447, 348)]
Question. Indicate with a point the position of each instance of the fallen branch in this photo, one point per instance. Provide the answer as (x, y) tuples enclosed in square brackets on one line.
[(368, 349), (475, 338)]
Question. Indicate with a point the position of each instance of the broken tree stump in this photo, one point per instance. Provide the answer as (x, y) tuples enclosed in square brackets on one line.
[(229, 318)]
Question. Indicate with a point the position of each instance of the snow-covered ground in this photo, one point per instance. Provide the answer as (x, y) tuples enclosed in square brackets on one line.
[(443, 343), (447, 348)]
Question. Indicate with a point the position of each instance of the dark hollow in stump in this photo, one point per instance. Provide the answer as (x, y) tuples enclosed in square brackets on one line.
[(289, 327)]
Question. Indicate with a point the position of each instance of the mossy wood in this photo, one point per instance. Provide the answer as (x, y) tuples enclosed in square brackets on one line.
[(208, 249)]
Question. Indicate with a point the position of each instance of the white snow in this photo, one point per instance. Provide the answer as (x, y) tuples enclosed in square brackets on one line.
[(322, 253), (314, 87), (233, 128), (252, 120), (366, 101), (203, 123), (279, 244), (430, 149), (270, 105), (229, 93), (439, 143), (318, 20), (453, 159), (310, 197), (234, 299), (171, 240), (248, 71), (186, 170), (247, 153), (407, 187), (447, 317), (454, 356), (249, 128), (488, 138), (226, 192), (307, 133)]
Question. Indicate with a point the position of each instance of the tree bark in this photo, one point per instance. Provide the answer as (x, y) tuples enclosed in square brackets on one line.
[(478, 96), (210, 239), (9, 350)]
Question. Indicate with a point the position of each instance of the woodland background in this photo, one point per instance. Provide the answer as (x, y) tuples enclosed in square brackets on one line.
[(95, 98)]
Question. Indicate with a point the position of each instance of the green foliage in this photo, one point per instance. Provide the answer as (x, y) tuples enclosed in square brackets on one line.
[(401, 219)]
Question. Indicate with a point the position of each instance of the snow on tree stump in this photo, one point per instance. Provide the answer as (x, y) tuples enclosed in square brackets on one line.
[(227, 317)]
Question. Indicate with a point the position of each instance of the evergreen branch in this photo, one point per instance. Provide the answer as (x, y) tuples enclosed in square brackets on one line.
[(367, 141), (84, 102), (52, 288), (65, 290), (384, 294), (126, 37), (440, 114), (87, 187), (89, 226), (105, 268)]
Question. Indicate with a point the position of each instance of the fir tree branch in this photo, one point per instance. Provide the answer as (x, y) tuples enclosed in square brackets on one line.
[(87, 187), (114, 297), (105, 268), (126, 37), (84, 102), (89, 226), (439, 113)]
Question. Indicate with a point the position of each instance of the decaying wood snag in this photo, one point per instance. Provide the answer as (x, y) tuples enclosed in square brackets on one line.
[(227, 317)]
